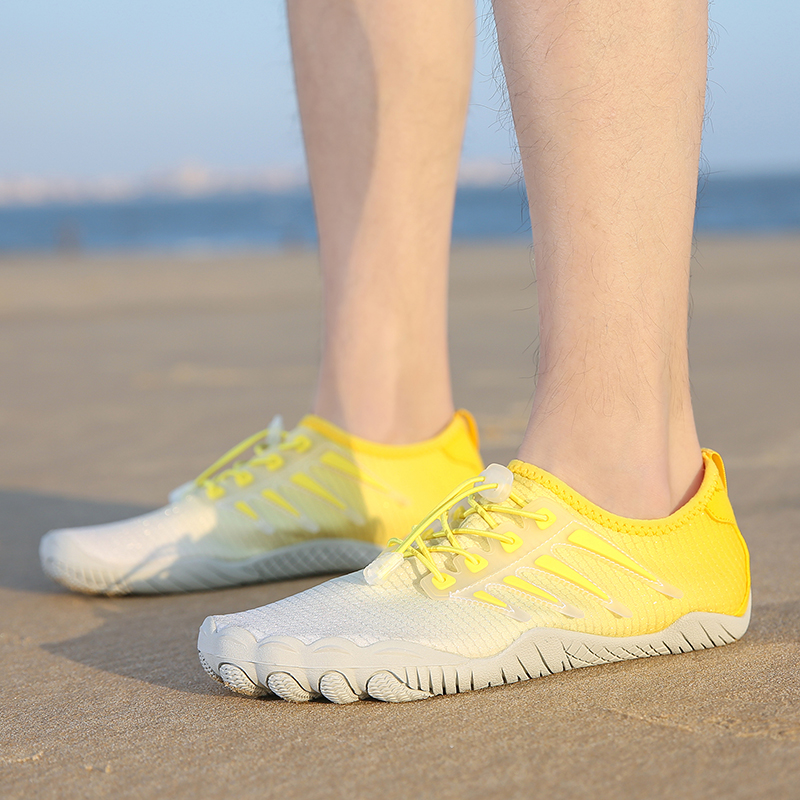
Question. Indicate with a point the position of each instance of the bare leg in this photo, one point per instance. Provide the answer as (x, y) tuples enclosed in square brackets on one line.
[(608, 106), (383, 90)]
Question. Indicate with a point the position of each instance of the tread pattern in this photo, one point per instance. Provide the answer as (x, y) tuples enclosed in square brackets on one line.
[(236, 680), (389, 688), (285, 686), (546, 655), (210, 672), (334, 687)]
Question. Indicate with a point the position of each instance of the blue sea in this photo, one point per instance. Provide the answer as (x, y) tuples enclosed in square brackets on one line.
[(286, 219)]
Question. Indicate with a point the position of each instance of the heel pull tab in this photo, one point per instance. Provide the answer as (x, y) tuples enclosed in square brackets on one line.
[(717, 459)]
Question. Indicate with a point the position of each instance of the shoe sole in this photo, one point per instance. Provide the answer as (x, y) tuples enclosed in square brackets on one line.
[(81, 573), (342, 672)]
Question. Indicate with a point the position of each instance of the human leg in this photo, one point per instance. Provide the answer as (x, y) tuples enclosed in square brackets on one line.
[(608, 108), (383, 104), (383, 90)]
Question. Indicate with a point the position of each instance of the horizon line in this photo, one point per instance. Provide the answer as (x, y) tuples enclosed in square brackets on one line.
[(193, 181)]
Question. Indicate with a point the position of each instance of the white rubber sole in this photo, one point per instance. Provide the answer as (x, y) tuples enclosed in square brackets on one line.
[(396, 671), (81, 573)]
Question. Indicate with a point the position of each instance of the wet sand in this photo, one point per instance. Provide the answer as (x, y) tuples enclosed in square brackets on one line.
[(125, 376)]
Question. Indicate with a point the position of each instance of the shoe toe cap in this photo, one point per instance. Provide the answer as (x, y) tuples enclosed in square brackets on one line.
[(60, 546)]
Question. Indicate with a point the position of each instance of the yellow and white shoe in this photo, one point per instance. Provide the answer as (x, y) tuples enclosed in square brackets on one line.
[(513, 576), (309, 501)]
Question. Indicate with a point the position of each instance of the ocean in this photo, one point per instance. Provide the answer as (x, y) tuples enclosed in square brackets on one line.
[(279, 220)]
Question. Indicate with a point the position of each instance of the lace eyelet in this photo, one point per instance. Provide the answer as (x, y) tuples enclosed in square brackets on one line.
[(214, 492), (546, 523), (299, 443), (514, 544), (475, 563), (444, 583), (243, 479)]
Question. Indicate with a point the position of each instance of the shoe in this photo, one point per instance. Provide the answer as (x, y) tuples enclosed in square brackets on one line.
[(513, 576), (308, 501)]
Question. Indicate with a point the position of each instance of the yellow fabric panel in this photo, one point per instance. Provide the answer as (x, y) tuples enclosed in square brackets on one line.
[(487, 598), (309, 484), (601, 547), (698, 550), (246, 510), (396, 485), (274, 497)]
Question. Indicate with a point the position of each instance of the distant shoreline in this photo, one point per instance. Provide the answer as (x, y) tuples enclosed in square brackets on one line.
[(195, 183), (284, 218)]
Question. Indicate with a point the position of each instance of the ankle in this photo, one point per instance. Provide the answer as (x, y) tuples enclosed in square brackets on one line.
[(384, 374), (634, 479), (392, 429), (388, 411)]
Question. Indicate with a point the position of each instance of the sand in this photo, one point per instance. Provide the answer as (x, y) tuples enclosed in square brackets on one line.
[(125, 376)]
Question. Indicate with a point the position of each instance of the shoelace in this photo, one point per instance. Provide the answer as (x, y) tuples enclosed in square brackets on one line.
[(265, 445), (486, 495)]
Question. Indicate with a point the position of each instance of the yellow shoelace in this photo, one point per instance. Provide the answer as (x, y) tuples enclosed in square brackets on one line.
[(414, 545), (265, 446)]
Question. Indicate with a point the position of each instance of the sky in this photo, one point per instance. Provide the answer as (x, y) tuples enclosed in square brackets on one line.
[(142, 87)]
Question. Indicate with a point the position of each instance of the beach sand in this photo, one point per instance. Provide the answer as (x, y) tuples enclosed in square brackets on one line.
[(123, 377)]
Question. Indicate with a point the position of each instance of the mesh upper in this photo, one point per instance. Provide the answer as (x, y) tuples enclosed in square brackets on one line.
[(317, 482), (699, 550), (349, 608)]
